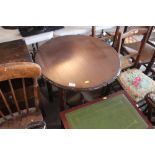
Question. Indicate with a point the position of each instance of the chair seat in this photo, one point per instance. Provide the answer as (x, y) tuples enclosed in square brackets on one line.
[(21, 122), (136, 84), (147, 52)]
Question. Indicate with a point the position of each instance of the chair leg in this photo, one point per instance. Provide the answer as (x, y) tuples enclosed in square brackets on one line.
[(146, 111), (107, 91), (41, 82), (43, 112), (149, 113), (62, 99)]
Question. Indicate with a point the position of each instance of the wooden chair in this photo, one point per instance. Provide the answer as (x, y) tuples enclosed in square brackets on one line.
[(124, 29), (134, 81), (130, 59), (19, 106), (137, 85), (140, 46)]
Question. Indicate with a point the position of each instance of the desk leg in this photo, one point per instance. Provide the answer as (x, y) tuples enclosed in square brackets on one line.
[(50, 94), (62, 96), (35, 48), (107, 89), (33, 53)]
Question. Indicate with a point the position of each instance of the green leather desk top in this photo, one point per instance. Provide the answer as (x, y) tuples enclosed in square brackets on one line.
[(114, 113)]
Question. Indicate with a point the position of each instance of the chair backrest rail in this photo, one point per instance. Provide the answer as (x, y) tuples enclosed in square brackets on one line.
[(6, 103), (14, 97), (136, 31), (121, 36), (15, 70)]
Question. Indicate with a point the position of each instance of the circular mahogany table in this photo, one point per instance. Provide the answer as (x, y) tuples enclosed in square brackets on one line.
[(78, 62)]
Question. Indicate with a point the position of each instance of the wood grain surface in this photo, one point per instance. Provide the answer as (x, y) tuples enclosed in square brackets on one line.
[(78, 62)]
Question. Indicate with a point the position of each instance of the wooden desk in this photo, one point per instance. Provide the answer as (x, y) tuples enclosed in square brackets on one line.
[(118, 111), (14, 51), (78, 62)]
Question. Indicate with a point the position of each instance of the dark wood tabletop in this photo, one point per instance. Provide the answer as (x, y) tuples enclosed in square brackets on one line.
[(14, 51), (78, 62)]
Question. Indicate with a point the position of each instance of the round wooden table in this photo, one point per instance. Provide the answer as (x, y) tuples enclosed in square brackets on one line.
[(78, 62)]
